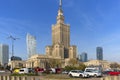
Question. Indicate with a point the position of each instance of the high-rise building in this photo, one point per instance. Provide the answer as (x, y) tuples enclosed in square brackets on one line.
[(31, 45), (99, 53), (61, 47), (4, 54), (84, 57), (79, 57)]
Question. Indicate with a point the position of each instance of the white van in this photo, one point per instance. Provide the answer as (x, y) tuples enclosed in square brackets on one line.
[(95, 72), (23, 70)]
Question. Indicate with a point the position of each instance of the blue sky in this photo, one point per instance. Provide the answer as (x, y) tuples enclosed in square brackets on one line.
[(92, 23)]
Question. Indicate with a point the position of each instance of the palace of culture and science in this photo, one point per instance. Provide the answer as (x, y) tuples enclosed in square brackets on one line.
[(60, 49)]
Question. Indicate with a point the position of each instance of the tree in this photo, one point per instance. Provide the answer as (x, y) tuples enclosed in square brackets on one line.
[(81, 66), (55, 63), (8, 67), (68, 68), (114, 65), (73, 61), (75, 64)]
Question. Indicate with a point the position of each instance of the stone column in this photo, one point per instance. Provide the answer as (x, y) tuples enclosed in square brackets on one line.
[(32, 78), (115, 78), (4, 77), (1, 77), (102, 78), (18, 78), (8, 78), (13, 78), (23, 78), (118, 77), (111, 77), (107, 78)]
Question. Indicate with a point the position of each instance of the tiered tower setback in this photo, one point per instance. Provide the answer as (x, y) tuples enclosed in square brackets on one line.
[(61, 39)]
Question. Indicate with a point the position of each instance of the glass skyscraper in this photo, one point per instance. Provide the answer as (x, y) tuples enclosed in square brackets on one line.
[(31, 45), (84, 57), (99, 53), (4, 54)]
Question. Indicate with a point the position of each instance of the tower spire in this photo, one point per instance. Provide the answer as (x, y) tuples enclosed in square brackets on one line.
[(60, 17), (60, 5)]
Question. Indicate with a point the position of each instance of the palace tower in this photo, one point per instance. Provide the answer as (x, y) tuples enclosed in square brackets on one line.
[(61, 47)]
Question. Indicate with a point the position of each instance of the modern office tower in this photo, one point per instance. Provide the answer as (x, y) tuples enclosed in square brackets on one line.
[(31, 45), (99, 53), (79, 57), (61, 47), (84, 57), (4, 54)]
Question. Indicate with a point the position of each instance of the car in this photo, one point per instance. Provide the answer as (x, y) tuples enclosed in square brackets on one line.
[(39, 69), (31, 70), (15, 70), (106, 72), (58, 70), (23, 70), (65, 72), (76, 73), (2, 71), (93, 72), (114, 73)]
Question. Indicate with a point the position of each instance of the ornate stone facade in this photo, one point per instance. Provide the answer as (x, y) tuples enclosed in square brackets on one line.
[(60, 52), (60, 47), (105, 64), (17, 64), (44, 61)]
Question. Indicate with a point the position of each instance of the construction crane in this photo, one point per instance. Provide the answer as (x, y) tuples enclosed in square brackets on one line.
[(12, 39)]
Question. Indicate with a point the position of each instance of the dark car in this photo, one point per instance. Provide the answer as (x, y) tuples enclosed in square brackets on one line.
[(106, 72)]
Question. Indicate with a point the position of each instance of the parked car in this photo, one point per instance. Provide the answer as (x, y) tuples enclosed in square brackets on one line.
[(65, 72), (76, 73), (39, 69), (106, 72), (31, 70), (58, 70), (114, 73), (23, 70), (1, 71), (93, 72), (15, 70)]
